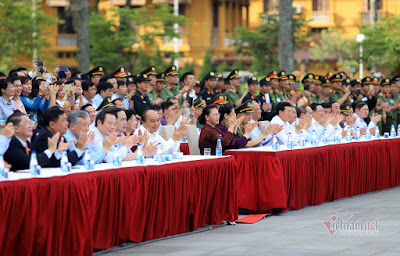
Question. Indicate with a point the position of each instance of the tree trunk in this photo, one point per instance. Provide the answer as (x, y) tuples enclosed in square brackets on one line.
[(80, 9), (286, 39)]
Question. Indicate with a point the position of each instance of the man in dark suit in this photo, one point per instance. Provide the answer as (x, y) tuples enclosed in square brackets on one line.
[(142, 102), (18, 153), (54, 121)]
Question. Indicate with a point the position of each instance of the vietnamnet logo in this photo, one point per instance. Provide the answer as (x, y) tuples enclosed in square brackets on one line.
[(347, 227)]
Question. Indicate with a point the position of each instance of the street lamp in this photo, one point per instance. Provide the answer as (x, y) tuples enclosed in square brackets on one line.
[(360, 38)]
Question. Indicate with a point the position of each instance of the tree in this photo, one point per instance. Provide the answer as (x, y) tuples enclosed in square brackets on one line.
[(207, 65), (286, 39), (332, 45), (127, 30), (158, 61), (17, 27), (262, 42), (186, 68), (80, 11), (223, 67), (142, 62), (239, 65), (381, 46)]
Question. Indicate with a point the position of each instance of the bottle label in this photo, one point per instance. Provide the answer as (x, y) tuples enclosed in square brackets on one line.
[(219, 151)]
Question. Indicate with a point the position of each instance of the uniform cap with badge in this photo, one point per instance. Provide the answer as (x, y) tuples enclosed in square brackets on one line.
[(99, 70), (324, 81), (210, 76), (329, 74), (197, 103), (141, 78), (354, 82), (149, 71), (293, 81), (219, 99), (120, 72), (396, 78), (273, 74), (171, 71), (220, 76), (265, 81), (160, 77), (252, 80), (244, 108), (366, 81), (308, 78), (233, 75), (385, 82), (336, 78), (282, 76), (106, 103), (346, 81), (344, 109)]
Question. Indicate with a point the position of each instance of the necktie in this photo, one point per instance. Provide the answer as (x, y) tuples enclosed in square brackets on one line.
[(27, 149)]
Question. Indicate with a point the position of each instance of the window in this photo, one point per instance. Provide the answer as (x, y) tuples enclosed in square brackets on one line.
[(320, 5), (271, 5), (68, 26), (215, 16), (378, 4)]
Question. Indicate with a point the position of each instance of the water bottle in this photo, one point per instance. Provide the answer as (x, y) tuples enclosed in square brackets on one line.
[(392, 132), (2, 168), (302, 141), (275, 144), (368, 134), (116, 157), (290, 141), (325, 137), (87, 161), (358, 134), (348, 135), (336, 136), (64, 161), (377, 133), (398, 130), (159, 154), (139, 155), (218, 149), (314, 141), (33, 164)]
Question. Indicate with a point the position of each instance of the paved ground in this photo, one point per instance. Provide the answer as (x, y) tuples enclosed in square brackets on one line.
[(295, 233)]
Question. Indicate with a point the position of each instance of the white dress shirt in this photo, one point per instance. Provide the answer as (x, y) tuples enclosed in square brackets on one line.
[(169, 146), (360, 123), (283, 135), (97, 146)]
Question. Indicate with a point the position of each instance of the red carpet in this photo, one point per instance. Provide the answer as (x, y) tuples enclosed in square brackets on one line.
[(252, 218)]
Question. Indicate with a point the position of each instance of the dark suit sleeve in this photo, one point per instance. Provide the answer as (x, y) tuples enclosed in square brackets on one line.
[(18, 159), (139, 106), (40, 143)]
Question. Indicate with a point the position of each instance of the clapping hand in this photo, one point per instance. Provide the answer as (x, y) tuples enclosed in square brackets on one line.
[(351, 121), (150, 149), (64, 145), (52, 142), (376, 118), (84, 140), (8, 130), (179, 133)]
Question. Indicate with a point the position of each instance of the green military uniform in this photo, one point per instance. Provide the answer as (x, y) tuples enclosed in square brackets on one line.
[(389, 99), (170, 91), (277, 96), (243, 108), (334, 95), (316, 98), (153, 95), (233, 95)]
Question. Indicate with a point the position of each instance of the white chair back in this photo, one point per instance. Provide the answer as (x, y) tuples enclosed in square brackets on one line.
[(193, 139)]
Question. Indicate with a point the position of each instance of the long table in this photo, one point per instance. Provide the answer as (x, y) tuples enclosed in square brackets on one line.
[(292, 179), (73, 214)]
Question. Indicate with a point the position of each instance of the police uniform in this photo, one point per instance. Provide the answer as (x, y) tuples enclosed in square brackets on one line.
[(317, 98), (389, 99), (266, 98), (142, 102), (206, 93), (243, 108), (231, 93), (250, 96), (170, 91), (325, 83), (335, 95)]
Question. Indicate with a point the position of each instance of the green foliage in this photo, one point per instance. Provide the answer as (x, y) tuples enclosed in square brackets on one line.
[(382, 44), (333, 46), (128, 28), (262, 43), (207, 65), (158, 61), (223, 67), (239, 65), (142, 62), (17, 26), (186, 68)]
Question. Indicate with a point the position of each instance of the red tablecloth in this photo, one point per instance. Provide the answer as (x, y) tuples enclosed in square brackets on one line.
[(73, 214), (184, 147), (296, 178)]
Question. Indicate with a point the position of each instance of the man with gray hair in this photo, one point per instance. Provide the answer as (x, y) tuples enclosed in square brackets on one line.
[(78, 127)]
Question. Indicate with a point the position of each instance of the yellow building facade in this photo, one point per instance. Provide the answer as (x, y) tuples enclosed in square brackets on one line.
[(343, 15), (213, 21)]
